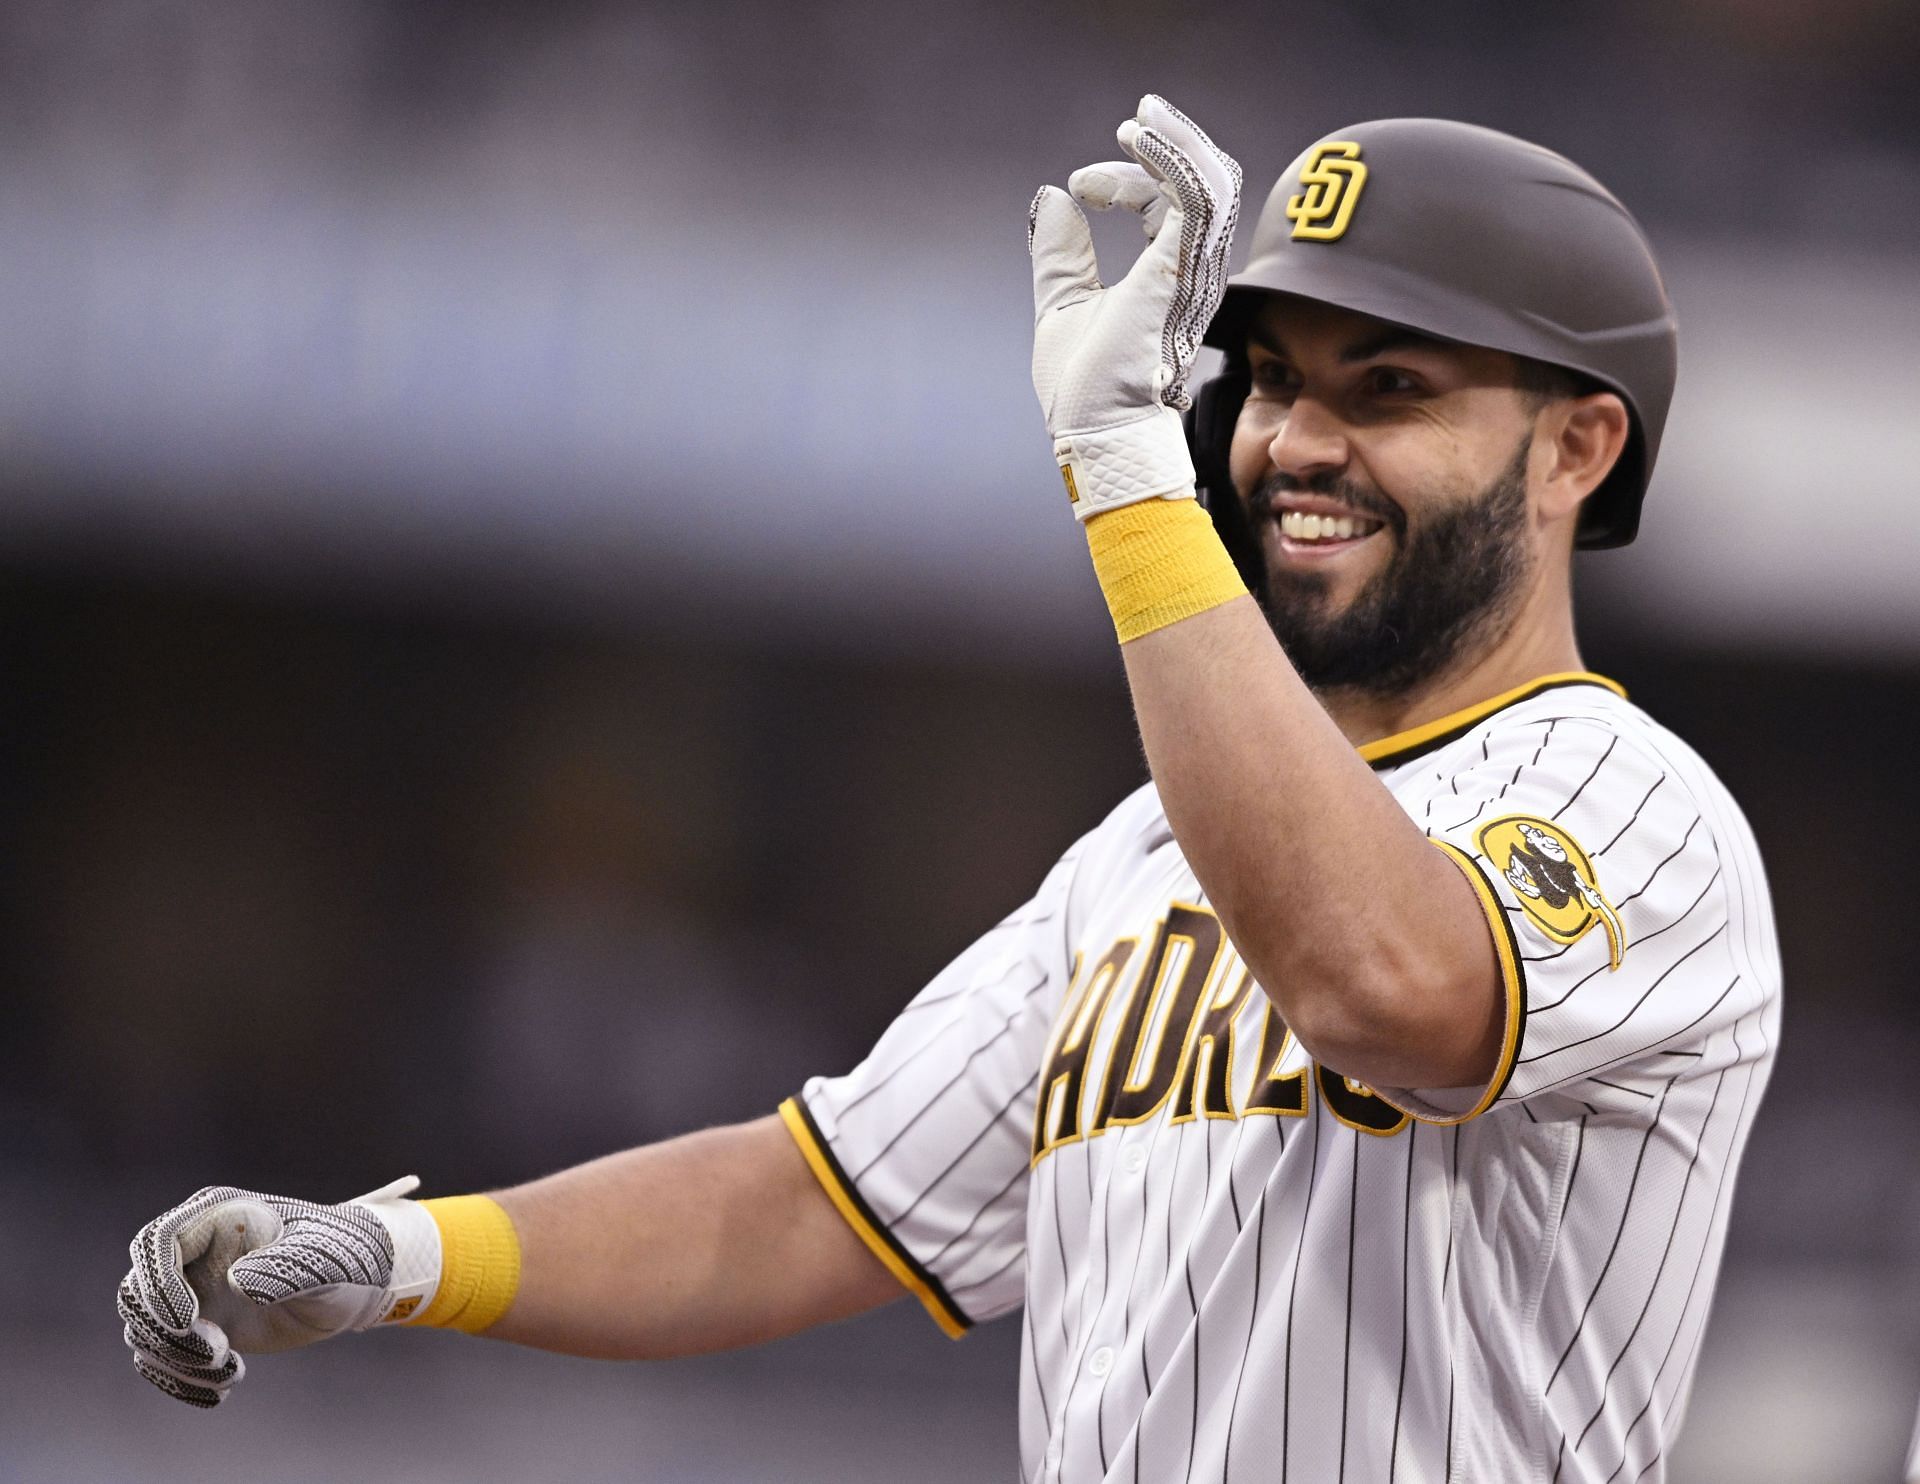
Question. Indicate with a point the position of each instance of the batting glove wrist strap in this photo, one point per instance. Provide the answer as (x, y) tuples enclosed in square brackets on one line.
[(1111, 363), (1145, 459), (481, 1265)]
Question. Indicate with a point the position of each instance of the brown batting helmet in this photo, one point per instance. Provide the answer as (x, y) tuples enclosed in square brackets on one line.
[(1471, 235)]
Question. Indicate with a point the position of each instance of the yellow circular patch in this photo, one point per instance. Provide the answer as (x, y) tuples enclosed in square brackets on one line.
[(1552, 878)]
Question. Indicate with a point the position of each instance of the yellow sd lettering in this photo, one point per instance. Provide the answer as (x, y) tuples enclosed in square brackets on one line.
[(1332, 176)]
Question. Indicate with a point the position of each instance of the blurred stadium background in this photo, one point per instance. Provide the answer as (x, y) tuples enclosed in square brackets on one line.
[(537, 611)]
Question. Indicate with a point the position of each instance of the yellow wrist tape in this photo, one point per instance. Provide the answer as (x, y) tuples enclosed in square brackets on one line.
[(1159, 561), (479, 1263)]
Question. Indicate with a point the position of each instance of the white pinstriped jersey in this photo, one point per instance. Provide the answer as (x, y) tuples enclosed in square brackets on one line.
[(1238, 1266)]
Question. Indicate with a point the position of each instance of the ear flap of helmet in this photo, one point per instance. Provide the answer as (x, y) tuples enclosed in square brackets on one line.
[(1209, 424)]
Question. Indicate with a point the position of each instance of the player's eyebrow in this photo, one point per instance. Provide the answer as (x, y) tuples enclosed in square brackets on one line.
[(1384, 341)]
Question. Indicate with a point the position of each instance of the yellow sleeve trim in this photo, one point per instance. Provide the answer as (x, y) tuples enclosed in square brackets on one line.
[(1507, 953), (848, 1201), (1160, 561), (479, 1263)]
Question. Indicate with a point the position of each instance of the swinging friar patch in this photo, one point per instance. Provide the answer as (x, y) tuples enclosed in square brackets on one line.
[(1553, 878)]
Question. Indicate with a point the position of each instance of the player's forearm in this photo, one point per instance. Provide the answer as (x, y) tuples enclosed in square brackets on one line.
[(1366, 937), (708, 1242)]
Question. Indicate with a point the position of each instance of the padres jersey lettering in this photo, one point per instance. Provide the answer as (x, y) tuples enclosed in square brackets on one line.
[(1236, 1264)]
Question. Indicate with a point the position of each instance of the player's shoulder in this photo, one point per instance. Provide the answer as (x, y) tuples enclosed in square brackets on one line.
[(1555, 724), (1135, 827), (1576, 750), (1110, 855)]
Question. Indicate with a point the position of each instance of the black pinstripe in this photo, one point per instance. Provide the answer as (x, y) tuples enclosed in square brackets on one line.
[(1446, 1273), (1632, 819), (944, 1088), (1293, 1290), (972, 1144), (1620, 906), (1346, 1351), (1686, 1304), (1626, 1210), (1060, 1236), (1653, 1289), (936, 1039), (1603, 968), (1612, 742), (967, 1230), (1039, 1371), (1406, 1292), (1253, 1313)]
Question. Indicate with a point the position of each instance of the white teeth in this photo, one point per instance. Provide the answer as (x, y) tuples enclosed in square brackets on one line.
[(1302, 527)]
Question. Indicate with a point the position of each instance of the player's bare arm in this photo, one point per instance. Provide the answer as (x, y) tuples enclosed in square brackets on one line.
[(709, 1242)]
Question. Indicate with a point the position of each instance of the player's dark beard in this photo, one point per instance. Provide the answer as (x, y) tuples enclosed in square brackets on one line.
[(1453, 579)]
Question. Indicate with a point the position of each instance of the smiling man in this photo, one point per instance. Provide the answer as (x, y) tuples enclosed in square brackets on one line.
[(1359, 1101)]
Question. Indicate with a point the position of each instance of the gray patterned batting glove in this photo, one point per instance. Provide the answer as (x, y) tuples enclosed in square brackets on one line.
[(232, 1272), (1111, 362)]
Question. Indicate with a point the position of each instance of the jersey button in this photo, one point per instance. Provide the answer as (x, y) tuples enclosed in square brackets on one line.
[(1101, 1361), (1135, 1160)]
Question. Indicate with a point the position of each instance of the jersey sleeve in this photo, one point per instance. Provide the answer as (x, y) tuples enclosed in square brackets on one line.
[(924, 1146), (1606, 887)]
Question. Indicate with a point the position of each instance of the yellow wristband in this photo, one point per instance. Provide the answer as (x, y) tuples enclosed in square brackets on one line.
[(479, 1263), (1159, 561)]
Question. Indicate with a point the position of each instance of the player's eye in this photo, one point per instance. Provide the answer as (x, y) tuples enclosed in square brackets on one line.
[(1274, 378), (1385, 381)]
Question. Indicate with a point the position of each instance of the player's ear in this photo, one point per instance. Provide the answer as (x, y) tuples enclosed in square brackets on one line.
[(1577, 441)]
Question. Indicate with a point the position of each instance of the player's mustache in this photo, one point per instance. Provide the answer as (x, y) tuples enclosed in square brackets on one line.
[(1349, 492)]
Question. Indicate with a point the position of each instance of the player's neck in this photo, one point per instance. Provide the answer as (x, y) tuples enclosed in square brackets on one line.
[(1537, 644)]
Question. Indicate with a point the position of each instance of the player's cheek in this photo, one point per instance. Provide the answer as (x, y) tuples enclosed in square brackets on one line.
[(1247, 460)]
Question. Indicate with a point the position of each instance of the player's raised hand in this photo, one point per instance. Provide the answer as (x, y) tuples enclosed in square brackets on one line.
[(1110, 363), (232, 1272)]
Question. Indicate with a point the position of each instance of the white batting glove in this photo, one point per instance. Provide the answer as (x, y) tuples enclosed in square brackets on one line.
[(1110, 364), (232, 1272)]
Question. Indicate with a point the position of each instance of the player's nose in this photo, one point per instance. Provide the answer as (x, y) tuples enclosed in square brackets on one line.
[(1309, 440)]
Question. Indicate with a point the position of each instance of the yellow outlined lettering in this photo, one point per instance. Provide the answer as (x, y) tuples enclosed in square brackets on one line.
[(1206, 1085), (1354, 1104), (1149, 1048), (1056, 1118), (1283, 1094)]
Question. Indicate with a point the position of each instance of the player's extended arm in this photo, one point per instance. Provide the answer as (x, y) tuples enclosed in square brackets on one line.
[(715, 1240), (709, 1242), (1367, 938)]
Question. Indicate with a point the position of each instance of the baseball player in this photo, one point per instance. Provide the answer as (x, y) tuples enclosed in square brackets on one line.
[(1361, 1099)]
